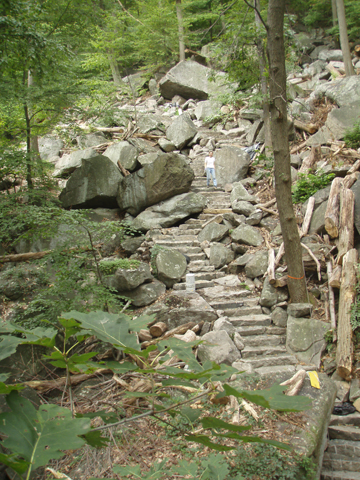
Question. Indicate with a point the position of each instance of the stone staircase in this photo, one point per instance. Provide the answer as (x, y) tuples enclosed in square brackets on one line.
[(264, 343), (342, 455)]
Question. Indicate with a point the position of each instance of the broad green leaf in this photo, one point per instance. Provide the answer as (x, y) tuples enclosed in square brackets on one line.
[(214, 467), (212, 422), (191, 413), (117, 367), (94, 439), (186, 469), (175, 381), (108, 327), (71, 327), (141, 322), (6, 389), (155, 473), (40, 435), (272, 398), (12, 461), (4, 376), (183, 350), (105, 417), (204, 440)]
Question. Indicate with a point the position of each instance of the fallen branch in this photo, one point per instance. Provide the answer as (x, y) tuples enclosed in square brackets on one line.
[(307, 218), (122, 169), (24, 257), (318, 266), (307, 127), (295, 382), (178, 330), (271, 266), (331, 301)]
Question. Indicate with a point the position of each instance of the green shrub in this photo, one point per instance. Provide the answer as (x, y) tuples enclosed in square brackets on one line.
[(352, 137), (309, 184), (109, 267)]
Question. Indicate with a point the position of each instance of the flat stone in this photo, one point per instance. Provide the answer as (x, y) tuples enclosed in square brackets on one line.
[(298, 310), (344, 432)]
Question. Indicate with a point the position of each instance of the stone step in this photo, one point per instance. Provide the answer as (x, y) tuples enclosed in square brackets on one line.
[(190, 226), (249, 352), (244, 311), (203, 276), (334, 461), (224, 304), (262, 340), (260, 330), (178, 239), (270, 361), (192, 221), (344, 447), (198, 264), (188, 250), (200, 268), (196, 256), (216, 211), (194, 231), (250, 320), (290, 369), (199, 284), (352, 419), (344, 432), (174, 243), (339, 475)]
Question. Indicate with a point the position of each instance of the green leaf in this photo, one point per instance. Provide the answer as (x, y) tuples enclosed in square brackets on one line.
[(40, 435), (155, 472), (190, 413), (186, 469), (175, 381), (12, 461), (105, 417), (117, 367), (6, 389), (140, 394), (94, 439), (71, 327), (107, 327), (204, 440), (183, 350), (212, 422)]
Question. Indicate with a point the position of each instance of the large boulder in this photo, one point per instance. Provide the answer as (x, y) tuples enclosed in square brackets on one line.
[(126, 279), (182, 307), (69, 163), (170, 266), (213, 232), (247, 235), (192, 80), (181, 131), (206, 109), (167, 213), (123, 152), (231, 165), (305, 339), (145, 294), (49, 147), (344, 91), (220, 255), (93, 185), (91, 140), (218, 347), (167, 176)]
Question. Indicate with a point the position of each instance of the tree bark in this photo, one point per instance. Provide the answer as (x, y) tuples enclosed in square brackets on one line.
[(344, 351), (280, 142), (263, 75), (334, 13), (180, 30), (332, 213), (344, 41), (346, 230)]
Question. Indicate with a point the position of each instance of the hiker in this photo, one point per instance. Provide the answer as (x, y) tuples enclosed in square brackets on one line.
[(210, 169)]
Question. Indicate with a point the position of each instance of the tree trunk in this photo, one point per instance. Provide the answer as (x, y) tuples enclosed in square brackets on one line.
[(280, 142), (263, 75), (344, 41), (346, 229), (115, 71), (334, 13), (180, 30)]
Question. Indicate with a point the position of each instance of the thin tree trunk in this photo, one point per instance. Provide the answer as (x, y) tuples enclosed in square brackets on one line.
[(280, 142), (179, 15), (344, 41), (263, 76), (115, 71)]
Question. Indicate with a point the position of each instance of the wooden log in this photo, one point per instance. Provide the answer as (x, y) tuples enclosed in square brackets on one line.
[(295, 382), (346, 230), (298, 147), (280, 254), (332, 311), (144, 335), (122, 169), (344, 350), (307, 127), (354, 168), (24, 257), (180, 330), (309, 162), (308, 215), (158, 329), (349, 180), (332, 213), (335, 277), (271, 266)]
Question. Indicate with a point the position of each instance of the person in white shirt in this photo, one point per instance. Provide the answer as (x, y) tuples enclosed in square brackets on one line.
[(210, 169)]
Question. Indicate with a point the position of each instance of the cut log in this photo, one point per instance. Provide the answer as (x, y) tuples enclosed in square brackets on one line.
[(335, 277), (307, 127), (349, 180), (271, 266), (354, 168), (308, 215), (178, 330), (332, 311), (332, 213), (311, 160), (158, 329), (344, 350), (346, 230), (144, 335)]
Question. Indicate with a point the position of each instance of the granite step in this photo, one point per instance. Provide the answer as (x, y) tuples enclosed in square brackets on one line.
[(271, 350), (187, 250), (335, 461), (344, 432), (203, 276), (178, 240), (261, 320), (270, 360), (264, 340), (190, 226), (243, 311), (344, 447), (352, 419), (290, 369), (339, 475), (200, 268), (246, 331), (196, 256), (198, 284)]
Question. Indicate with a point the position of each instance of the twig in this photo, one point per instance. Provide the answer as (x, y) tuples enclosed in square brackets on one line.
[(318, 266)]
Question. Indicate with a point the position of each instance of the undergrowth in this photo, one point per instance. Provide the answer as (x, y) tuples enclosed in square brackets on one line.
[(352, 137), (309, 184)]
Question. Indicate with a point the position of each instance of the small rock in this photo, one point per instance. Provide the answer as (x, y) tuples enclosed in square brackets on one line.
[(298, 310)]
